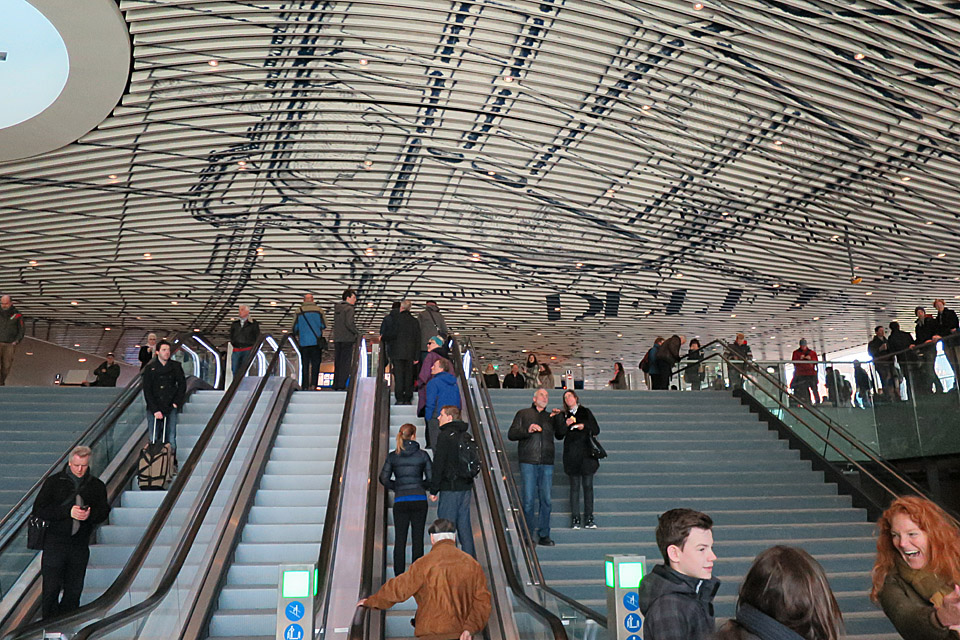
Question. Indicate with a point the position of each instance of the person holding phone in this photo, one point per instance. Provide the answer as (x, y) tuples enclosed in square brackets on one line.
[(575, 424), (72, 502)]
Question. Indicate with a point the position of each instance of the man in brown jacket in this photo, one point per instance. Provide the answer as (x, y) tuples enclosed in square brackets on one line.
[(449, 586)]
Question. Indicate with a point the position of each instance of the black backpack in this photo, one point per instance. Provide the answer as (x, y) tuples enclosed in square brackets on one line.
[(468, 457)]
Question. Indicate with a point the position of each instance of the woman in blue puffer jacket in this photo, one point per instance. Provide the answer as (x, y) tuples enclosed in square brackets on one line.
[(406, 472)]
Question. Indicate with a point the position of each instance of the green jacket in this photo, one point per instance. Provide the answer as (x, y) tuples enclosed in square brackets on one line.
[(11, 325), (912, 615)]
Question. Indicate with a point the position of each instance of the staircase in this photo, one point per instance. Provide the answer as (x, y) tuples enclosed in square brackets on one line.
[(702, 451), (37, 424), (285, 524)]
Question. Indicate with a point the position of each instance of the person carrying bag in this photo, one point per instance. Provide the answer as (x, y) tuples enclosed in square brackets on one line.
[(578, 428)]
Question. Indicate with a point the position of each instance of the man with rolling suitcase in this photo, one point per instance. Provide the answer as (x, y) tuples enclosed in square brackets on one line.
[(164, 388)]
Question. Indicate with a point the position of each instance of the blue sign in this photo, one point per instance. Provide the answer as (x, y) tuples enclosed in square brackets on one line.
[(295, 611), (293, 632), (634, 638), (633, 622), (631, 600)]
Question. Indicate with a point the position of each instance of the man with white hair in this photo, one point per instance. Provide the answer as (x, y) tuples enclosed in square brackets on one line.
[(453, 600), (243, 335), (72, 502), (11, 334)]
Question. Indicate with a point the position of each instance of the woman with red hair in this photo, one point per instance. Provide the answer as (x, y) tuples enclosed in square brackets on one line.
[(917, 570)]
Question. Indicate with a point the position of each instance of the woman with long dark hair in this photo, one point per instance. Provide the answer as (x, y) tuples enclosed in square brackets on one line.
[(785, 595), (407, 472), (619, 380), (574, 424), (917, 570), (531, 371)]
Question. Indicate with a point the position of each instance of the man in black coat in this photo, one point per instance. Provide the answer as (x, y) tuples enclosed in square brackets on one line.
[(388, 330), (514, 379), (453, 489), (668, 355), (404, 352), (73, 502), (949, 325), (928, 335), (879, 351), (532, 429), (243, 336), (164, 388), (899, 345)]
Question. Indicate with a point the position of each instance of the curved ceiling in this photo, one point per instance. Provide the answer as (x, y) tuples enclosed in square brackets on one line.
[(557, 174)]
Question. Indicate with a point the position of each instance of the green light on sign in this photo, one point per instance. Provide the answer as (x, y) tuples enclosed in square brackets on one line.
[(316, 580), (609, 564), (631, 573), (296, 584)]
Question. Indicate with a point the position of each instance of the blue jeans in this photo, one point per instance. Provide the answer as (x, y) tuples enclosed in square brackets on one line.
[(156, 435), (537, 483), (455, 507), (237, 358)]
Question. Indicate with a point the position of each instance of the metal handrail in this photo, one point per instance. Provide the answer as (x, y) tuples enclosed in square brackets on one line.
[(744, 368), (499, 526), (115, 591), (204, 500), (527, 545), (96, 430), (331, 516), (375, 525)]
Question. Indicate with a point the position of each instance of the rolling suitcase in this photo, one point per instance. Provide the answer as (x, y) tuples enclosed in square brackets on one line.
[(155, 464)]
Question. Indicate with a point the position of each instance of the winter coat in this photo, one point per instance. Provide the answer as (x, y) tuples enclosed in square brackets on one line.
[(537, 447), (432, 324), (878, 349), (57, 497), (11, 325), (912, 615), (145, 356), (668, 355), (740, 351), (344, 327), (753, 624), (619, 381), (692, 373), (576, 442), (244, 337), (388, 331), (948, 322), (861, 378), (406, 346), (653, 368), (407, 472), (309, 324), (107, 375), (163, 386), (531, 374), (492, 380), (511, 381), (900, 341), (676, 606), (446, 457), (423, 377), (926, 329), (450, 590), (442, 390)]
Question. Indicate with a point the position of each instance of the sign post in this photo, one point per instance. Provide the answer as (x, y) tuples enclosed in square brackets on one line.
[(295, 593), (624, 573)]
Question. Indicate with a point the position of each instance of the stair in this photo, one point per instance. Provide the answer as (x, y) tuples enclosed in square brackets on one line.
[(128, 521), (703, 451), (286, 520), (37, 424)]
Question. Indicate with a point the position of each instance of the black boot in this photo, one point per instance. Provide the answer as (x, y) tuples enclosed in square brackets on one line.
[(576, 522), (590, 523)]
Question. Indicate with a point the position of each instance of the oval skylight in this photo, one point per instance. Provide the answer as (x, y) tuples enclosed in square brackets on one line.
[(34, 63)]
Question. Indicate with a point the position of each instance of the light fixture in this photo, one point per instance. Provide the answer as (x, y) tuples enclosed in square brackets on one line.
[(491, 342), (369, 304), (523, 350), (868, 293), (905, 178), (465, 306), (551, 357), (174, 302), (679, 275), (941, 255), (778, 142), (597, 351), (859, 56), (508, 78), (147, 256), (81, 359), (579, 264), (928, 222), (242, 163), (106, 328), (725, 213), (77, 344), (273, 303), (733, 315), (491, 173), (74, 302), (112, 176), (816, 317), (33, 263), (283, 331), (213, 63), (647, 107), (474, 257), (697, 6), (29, 353), (368, 163), (368, 251), (619, 335), (364, 61), (776, 285)]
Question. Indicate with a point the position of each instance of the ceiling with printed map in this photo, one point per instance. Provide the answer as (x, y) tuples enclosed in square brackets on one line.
[(569, 177)]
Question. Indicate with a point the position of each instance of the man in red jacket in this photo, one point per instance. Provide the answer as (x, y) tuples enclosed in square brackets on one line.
[(805, 373)]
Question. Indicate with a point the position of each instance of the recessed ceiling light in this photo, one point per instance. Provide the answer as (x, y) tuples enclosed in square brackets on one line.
[(868, 293), (491, 173), (465, 306), (553, 357), (112, 176), (273, 303), (213, 63), (905, 178), (647, 107), (697, 6), (174, 302), (816, 317), (753, 327), (619, 335), (733, 315), (596, 352), (859, 56), (778, 142), (81, 359), (508, 78), (679, 275), (242, 163), (776, 285), (368, 251), (106, 328), (77, 344), (941, 255), (579, 264), (364, 61), (33, 263), (283, 331), (368, 163), (74, 302), (29, 353), (523, 350), (369, 304), (928, 222), (147, 256)]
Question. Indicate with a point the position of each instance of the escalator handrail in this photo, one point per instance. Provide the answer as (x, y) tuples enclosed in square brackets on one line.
[(527, 544), (202, 503), (742, 368), (91, 434), (373, 535), (116, 590), (498, 525), (331, 516)]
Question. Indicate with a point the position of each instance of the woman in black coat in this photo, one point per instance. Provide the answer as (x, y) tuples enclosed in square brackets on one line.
[(574, 425), (148, 351), (407, 472)]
